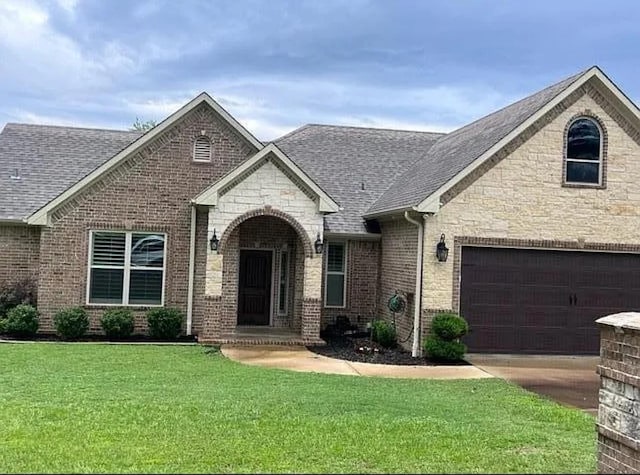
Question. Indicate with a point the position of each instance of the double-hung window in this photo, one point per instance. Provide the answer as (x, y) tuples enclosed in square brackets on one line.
[(335, 284), (126, 268)]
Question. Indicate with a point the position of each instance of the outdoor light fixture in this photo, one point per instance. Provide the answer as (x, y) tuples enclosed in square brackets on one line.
[(318, 245), (442, 251), (213, 242)]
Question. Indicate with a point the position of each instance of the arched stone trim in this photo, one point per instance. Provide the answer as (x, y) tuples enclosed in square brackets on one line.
[(267, 211), (604, 146)]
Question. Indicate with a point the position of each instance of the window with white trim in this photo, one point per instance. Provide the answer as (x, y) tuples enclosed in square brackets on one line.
[(126, 268), (283, 284), (584, 153), (202, 149), (335, 282)]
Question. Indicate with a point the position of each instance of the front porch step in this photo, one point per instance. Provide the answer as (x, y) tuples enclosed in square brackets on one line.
[(256, 338)]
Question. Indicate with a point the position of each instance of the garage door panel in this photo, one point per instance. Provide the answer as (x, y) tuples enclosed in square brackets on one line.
[(543, 316), (487, 338), (543, 301)]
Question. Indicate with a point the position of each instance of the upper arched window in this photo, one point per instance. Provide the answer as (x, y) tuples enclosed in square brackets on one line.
[(202, 149), (584, 152)]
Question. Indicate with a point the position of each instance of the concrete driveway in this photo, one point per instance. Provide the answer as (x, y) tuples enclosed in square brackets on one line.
[(570, 380)]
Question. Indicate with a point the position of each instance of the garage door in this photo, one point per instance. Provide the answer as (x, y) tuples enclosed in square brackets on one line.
[(537, 301)]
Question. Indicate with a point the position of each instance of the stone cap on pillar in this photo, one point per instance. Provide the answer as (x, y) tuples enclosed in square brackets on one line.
[(629, 320)]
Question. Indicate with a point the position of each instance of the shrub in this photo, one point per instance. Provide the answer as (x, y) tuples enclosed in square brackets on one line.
[(117, 323), (71, 323), (443, 350), (22, 320), (449, 326), (15, 293), (384, 333), (3, 325), (164, 323)]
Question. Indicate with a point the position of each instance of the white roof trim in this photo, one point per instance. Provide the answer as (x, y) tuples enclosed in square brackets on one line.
[(432, 202), (209, 197), (41, 217)]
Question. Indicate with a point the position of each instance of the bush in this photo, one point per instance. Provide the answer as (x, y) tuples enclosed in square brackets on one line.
[(22, 320), (384, 333), (15, 293), (3, 325), (449, 326), (117, 323), (164, 323), (71, 323), (443, 350)]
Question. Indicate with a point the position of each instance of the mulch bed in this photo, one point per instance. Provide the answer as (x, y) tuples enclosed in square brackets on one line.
[(102, 338), (360, 348)]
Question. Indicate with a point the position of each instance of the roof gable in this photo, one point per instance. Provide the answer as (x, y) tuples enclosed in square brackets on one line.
[(41, 216), (210, 196), (458, 153)]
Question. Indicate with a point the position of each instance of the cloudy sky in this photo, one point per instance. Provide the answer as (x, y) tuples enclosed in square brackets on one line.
[(275, 65)]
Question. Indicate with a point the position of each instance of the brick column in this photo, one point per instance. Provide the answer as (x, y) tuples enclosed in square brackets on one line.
[(619, 408), (311, 302)]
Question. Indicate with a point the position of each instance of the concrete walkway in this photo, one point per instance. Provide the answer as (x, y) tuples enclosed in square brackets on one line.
[(298, 358)]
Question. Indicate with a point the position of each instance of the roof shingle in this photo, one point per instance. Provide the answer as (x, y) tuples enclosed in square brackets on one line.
[(49, 159)]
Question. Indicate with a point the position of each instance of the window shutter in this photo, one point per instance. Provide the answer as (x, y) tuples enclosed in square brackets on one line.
[(202, 149)]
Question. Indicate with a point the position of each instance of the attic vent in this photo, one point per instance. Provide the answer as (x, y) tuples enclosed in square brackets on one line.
[(202, 149)]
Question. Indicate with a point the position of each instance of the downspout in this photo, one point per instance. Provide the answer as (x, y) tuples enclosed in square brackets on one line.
[(417, 306), (192, 265)]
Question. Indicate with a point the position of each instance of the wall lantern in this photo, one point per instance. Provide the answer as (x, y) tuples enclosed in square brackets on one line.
[(318, 245), (213, 242), (442, 251)]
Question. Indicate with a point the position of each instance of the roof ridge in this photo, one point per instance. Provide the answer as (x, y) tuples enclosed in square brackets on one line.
[(306, 126), (96, 129)]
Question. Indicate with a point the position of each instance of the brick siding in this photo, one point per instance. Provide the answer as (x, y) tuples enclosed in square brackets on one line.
[(150, 191), (398, 253), (363, 265), (19, 253)]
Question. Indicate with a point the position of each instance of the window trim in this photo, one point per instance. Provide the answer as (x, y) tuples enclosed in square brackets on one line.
[(601, 184), (193, 149), (285, 312), (126, 269), (344, 273)]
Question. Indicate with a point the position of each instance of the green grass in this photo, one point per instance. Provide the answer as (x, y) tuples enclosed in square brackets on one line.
[(119, 408)]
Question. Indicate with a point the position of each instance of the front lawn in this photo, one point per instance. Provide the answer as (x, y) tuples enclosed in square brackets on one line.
[(125, 408)]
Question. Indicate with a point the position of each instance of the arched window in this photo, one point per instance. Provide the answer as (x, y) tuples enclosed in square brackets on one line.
[(584, 152), (202, 149)]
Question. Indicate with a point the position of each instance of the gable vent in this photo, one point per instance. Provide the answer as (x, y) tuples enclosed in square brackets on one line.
[(202, 149)]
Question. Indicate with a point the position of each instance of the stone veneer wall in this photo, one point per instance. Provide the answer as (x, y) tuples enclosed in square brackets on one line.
[(518, 196), (619, 409), (19, 252)]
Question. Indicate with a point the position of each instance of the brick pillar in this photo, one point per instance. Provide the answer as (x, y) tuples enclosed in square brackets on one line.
[(311, 302), (619, 407)]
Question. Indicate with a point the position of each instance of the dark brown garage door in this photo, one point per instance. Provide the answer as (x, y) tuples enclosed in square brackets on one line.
[(536, 301)]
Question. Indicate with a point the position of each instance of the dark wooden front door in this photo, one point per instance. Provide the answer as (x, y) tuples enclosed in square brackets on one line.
[(254, 292), (539, 301)]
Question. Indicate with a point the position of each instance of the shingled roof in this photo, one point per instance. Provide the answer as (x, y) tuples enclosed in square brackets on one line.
[(354, 165), (38, 162), (458, 149)]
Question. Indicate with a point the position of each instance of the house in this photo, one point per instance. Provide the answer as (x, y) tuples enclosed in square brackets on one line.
[(525, 221)]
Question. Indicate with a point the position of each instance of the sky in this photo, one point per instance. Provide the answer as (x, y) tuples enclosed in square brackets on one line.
[(276, 64)]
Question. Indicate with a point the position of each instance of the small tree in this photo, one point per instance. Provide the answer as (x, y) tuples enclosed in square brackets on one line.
[(143, 126)]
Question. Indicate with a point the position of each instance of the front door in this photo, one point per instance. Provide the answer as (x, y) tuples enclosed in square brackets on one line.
[(254, 292)]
